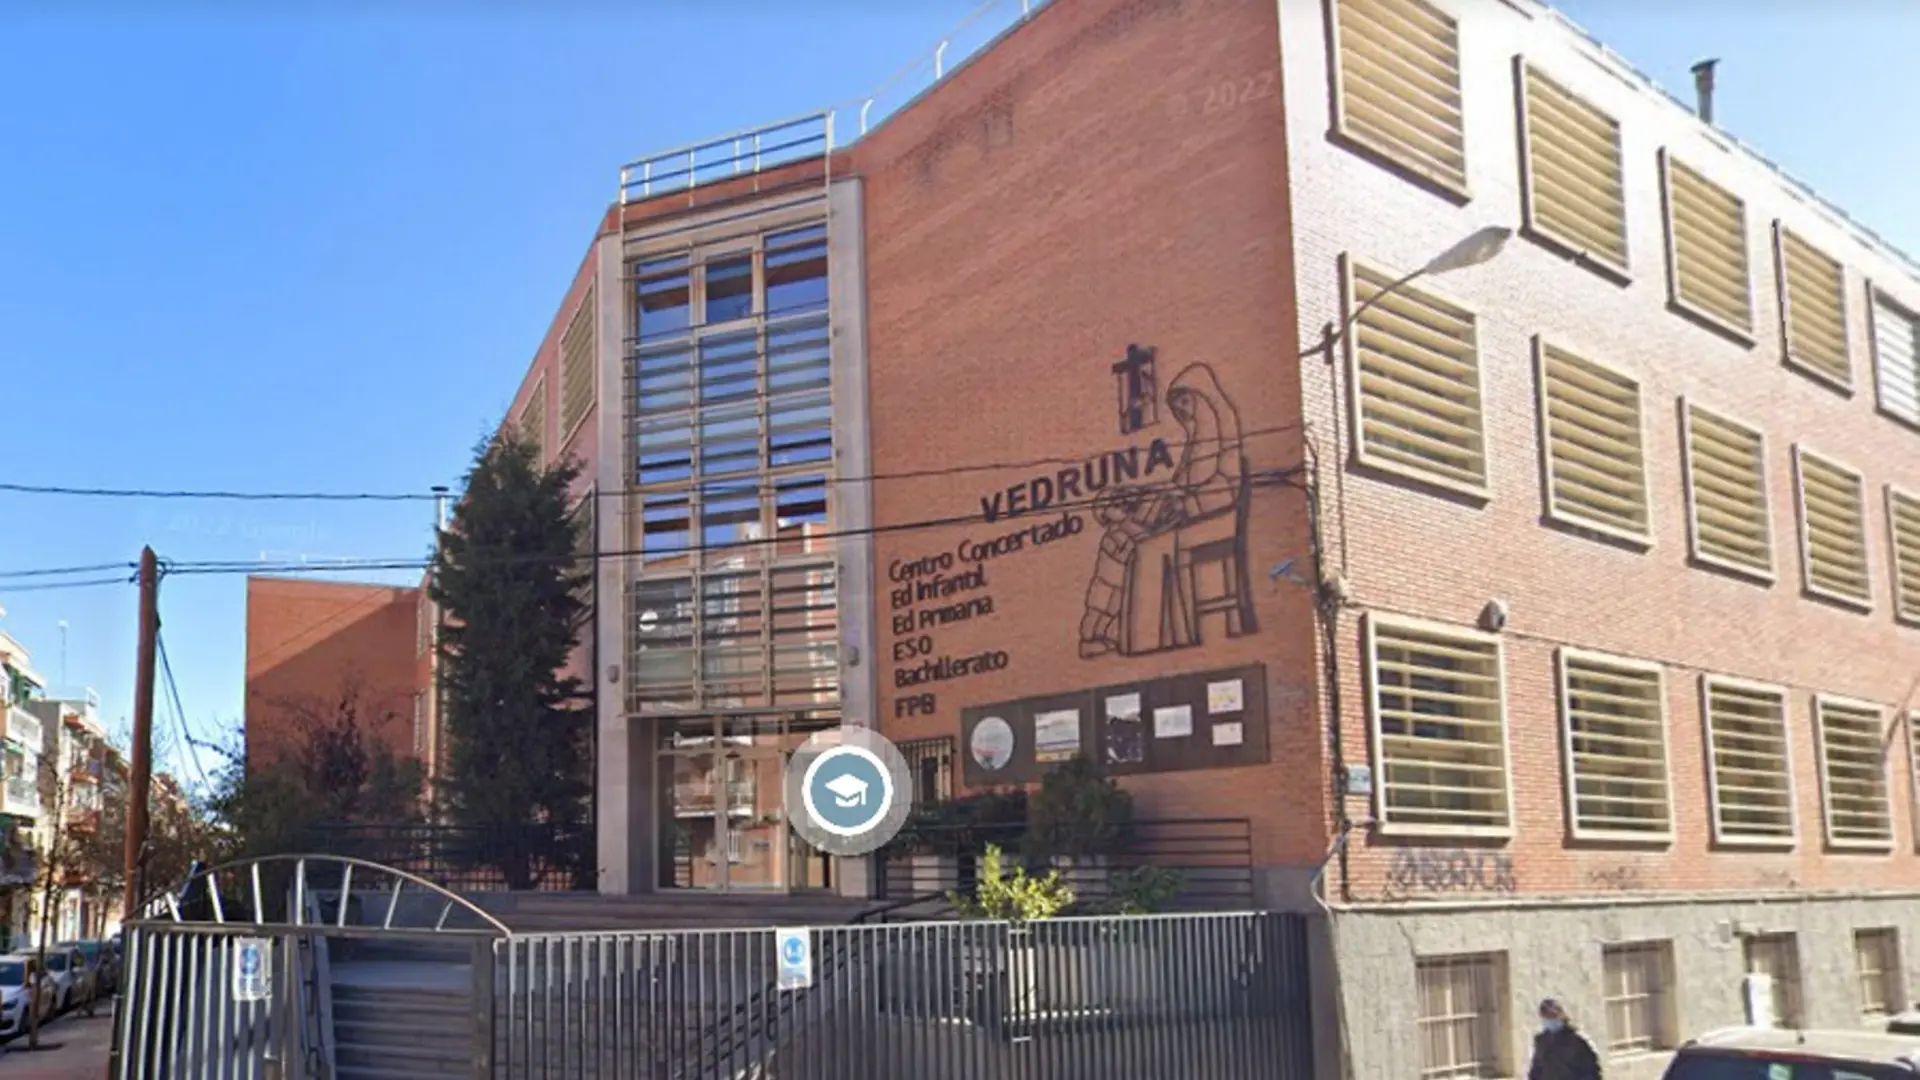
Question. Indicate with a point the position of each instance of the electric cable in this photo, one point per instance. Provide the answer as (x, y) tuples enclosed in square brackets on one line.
[(67, 570), (55, 586), (410, 496), (180, 713), (1026, 520)]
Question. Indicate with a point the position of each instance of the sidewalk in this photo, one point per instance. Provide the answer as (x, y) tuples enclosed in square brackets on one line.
[(83, 1043)]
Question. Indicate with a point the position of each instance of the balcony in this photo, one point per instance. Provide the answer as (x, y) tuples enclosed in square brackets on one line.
[(24, 729), (21, 796)]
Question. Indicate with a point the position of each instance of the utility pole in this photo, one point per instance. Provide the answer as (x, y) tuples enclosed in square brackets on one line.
[(139, 784)]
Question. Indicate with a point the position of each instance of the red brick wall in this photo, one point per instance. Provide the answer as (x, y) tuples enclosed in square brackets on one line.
[(1417, 552), (306, 640), (1113, 173)]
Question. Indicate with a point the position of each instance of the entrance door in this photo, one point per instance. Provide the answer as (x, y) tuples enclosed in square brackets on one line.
[(723, 820)]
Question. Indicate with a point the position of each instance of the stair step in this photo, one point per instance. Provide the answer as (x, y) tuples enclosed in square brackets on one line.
[(411, 1057), (412, 1028), (381, 1072), (355, 1009)]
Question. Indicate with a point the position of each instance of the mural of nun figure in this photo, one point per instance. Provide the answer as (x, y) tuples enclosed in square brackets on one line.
[(1141, 597)]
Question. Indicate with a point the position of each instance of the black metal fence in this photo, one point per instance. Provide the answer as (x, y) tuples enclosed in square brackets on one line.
[(1203, 864), (1222, 996), (467, 860)]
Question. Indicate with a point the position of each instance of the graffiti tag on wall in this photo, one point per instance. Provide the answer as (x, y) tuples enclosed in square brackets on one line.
[(1449, 870), (1616, 878)]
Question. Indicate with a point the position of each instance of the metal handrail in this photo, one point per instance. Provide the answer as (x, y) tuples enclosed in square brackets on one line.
[(168, 901)]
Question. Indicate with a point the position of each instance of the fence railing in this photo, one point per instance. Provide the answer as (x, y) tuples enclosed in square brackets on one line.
[(534, 857), (1211, 860), (1224, 996)]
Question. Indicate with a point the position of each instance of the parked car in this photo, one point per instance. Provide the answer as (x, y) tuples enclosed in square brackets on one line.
[(72, 978), (101, 961), (1779, 1054), (17, 994)]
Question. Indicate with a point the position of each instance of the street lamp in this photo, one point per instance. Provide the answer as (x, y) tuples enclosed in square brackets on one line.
[(1477, 247)]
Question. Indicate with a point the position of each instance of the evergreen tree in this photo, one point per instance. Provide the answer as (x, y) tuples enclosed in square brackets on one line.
[(518, 731)]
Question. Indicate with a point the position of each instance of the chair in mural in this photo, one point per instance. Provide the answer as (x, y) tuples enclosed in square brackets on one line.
[(1163, 543), (1210, 558)]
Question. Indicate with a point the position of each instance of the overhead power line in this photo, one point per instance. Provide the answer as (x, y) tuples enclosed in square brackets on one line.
[(180, 714), (1028, 518), (428, 496), (54, 586), (174, 568), (129, 567)]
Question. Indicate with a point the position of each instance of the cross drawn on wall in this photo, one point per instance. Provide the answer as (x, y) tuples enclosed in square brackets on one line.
[(1173, 552)]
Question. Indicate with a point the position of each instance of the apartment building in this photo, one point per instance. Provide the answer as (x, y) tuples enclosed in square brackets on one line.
[(1395, 424), (21, 808), (80, 770)]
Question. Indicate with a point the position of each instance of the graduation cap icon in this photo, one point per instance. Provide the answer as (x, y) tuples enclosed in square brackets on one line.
[(848, 790)]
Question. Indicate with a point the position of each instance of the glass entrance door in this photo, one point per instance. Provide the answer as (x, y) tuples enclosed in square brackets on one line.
[(723, 822)]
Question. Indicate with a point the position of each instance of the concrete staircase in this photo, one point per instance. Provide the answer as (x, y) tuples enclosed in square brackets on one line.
[(402, 1033), (403, 1009)]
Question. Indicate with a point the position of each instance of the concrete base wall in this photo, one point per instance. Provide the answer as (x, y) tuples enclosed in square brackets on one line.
[(1555, 951)]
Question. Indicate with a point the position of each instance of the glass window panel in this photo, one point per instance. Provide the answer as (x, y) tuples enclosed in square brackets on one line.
[(663, 297), (729, 288), (797, 271)]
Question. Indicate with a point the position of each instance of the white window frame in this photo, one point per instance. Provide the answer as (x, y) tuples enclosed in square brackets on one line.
[(1563, 694), (1744, 334), (1906, 609), (1782, 230), (1789, 842), (1642, 541), (1876, 296), (1893, 977), (1664, 1036), (1599, 262), (1372, 623), (1493, 1026), (1805, 527), (1694, 549), (1820, 762), (1389, 155), (1350, 265)]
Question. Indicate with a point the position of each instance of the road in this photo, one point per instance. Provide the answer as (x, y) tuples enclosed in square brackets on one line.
[(74, 1047)]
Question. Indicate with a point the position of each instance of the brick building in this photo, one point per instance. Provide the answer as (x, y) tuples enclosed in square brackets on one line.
[(314, 645), (1543, 609)]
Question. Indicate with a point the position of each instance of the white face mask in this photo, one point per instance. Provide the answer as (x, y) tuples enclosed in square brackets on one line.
[(1550, 1026)]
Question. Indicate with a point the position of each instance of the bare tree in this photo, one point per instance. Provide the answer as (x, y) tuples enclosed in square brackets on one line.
[(68, 817)]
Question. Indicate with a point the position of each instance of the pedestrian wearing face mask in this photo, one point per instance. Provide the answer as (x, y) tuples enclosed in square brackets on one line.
[(1559, 1051)]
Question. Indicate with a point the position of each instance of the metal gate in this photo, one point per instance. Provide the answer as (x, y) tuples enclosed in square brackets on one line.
[(322, 967), (239, 975)]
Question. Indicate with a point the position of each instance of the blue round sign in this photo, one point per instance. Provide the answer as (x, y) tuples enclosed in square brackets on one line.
[(848, 791)]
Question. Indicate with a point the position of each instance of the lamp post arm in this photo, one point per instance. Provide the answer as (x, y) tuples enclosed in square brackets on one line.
[(1335, 336)]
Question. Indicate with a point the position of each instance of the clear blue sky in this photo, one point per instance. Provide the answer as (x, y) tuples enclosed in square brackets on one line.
[(310, 251)]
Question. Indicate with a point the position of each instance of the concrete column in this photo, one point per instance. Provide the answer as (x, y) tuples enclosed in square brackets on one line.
[(853, 876), (614, 777), (852, 454)]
